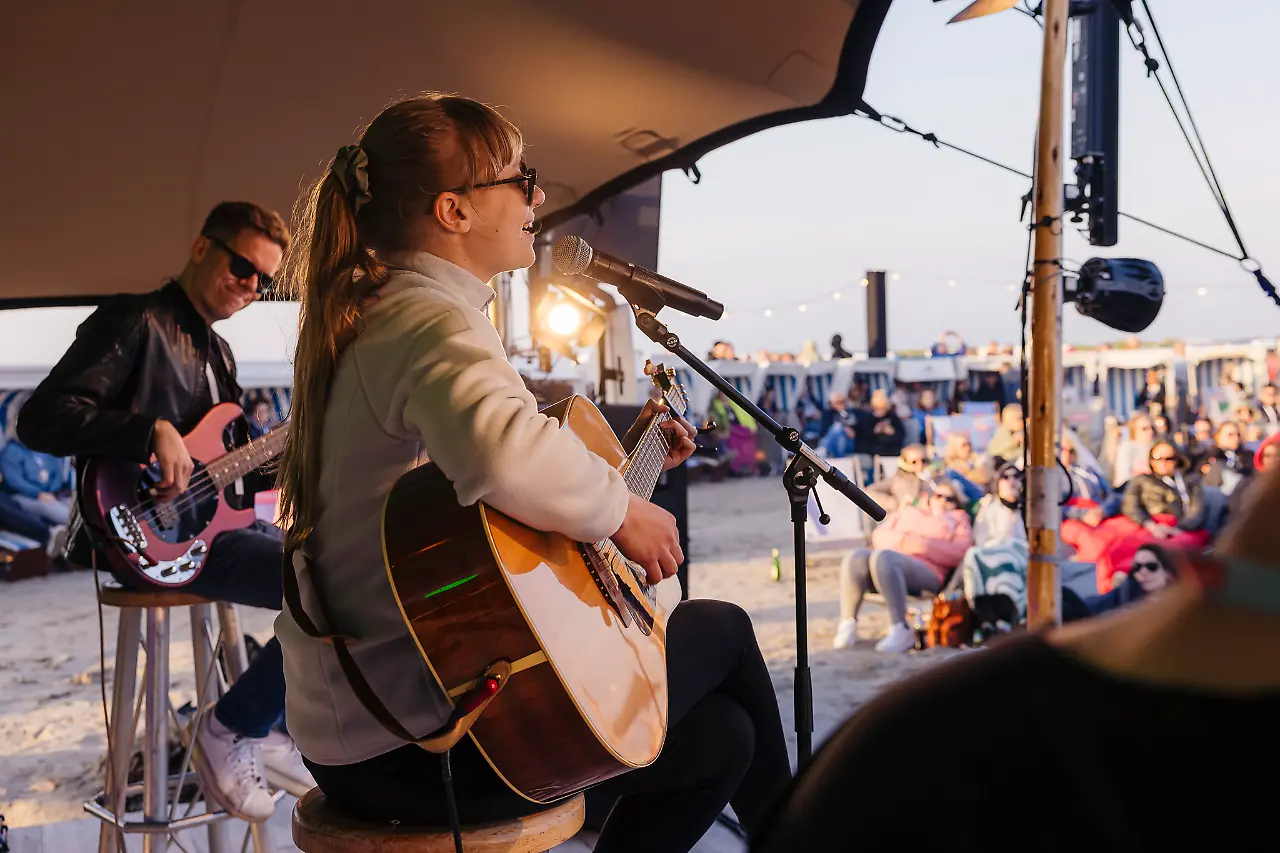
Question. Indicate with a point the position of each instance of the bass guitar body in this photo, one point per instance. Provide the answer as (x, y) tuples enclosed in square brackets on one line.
[(583, 632)]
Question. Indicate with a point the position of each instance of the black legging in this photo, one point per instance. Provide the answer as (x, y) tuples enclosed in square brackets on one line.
[(724, 745)]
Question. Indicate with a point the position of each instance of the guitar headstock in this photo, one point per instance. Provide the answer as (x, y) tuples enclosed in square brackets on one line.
[(672, 391)]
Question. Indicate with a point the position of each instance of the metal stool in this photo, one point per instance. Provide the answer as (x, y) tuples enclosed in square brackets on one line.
[(161, 789), (318, 828)]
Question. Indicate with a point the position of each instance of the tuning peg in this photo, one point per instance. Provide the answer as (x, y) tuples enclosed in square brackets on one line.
[(648, 367)]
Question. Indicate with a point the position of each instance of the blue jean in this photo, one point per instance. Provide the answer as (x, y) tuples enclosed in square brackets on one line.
[(837, 443), (244, 567), (17, 518), (54, 512)]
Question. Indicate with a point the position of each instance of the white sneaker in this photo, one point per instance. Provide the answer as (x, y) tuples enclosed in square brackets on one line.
[(57, 542), (899, 639), (230, 770), (846, 634), (284, 764)]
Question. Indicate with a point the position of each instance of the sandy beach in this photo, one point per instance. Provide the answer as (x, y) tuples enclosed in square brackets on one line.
[(52, 745)]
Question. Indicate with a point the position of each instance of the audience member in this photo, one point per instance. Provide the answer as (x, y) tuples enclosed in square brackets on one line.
[(1011, 437), (905, 486), (913, 551)]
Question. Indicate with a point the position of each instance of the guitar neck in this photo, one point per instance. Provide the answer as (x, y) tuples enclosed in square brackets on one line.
[(225, 470)]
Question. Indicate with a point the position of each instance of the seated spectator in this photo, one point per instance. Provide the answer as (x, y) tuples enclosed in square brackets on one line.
[(964, 468), (913, 551), (927, 406), (990, 389), (41, 484), (880, 432), (904, 487), (768, 404), (1228, 463), (261, 417), (1152, 392), (1161, 507), (1269, 409), (997, 562), (1091, 503), (1267, 454), (1132, 455), (838, 427), (1011, 437), (736, 434), (1201, 438), (1147, 574)]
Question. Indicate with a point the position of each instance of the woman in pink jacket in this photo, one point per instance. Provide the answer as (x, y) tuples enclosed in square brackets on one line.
[(913, 551)]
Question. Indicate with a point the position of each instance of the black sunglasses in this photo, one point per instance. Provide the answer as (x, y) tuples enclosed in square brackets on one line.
[(241, 267), (528, 180), (1151, 567)]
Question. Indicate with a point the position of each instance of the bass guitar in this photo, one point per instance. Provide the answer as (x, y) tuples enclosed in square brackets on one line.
[(582, 630), (164, 543)]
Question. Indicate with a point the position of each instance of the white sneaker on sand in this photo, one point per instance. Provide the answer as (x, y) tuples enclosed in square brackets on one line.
[(899, 639), (846, 634), (230, 770), (284, 764)]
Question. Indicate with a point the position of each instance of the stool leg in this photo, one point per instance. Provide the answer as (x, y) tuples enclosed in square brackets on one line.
[(155, 750), (237, 657), (121, 725), (203, 653)]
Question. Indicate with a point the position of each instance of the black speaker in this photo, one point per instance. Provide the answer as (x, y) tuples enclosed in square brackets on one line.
[(1122, 293), (672, 492)]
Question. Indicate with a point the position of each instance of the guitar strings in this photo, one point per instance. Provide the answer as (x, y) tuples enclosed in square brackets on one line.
[(208, 485)]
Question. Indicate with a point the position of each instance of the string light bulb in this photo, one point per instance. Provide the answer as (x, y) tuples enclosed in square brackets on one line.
[(1202, 291), (895, 276), (836, 295), (803, 308), (951, 283), (865, 282), (768, 312)]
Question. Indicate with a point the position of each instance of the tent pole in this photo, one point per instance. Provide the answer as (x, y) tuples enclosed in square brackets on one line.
[(1043, 489)]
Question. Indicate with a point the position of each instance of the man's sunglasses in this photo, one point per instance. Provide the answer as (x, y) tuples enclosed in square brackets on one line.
[(241, 267), (527, 179)]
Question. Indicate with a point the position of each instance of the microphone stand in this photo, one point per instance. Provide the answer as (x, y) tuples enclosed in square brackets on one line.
[(799, 479)]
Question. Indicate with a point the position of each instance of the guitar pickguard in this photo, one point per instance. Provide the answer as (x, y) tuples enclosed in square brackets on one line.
[(131, 537)]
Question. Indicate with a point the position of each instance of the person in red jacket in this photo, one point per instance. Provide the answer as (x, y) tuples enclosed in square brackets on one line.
[(914, 550)]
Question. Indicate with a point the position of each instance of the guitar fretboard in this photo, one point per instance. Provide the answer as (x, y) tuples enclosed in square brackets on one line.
[(225, 470)]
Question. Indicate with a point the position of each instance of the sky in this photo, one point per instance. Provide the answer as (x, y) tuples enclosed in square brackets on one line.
[(790, 216)]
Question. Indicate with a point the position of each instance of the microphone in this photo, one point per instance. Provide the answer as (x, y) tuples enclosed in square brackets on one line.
[(573, 256)]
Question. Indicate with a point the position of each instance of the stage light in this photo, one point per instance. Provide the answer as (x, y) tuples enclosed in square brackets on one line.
[(566, 322), (564, 319)]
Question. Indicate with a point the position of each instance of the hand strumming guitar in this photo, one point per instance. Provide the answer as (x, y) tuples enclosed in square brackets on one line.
[(174, 461), (649, 536)]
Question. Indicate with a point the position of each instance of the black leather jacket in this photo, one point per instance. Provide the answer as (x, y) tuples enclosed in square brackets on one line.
[(135, 360)]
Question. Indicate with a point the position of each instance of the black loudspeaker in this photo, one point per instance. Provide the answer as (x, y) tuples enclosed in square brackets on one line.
[(1122, 293), (877, 333), (672, 492)]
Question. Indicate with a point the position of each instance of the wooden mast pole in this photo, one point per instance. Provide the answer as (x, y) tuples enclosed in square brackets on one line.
[(1043, 479)]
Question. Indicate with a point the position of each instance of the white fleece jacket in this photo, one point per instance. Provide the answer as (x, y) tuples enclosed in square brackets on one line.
[(427, 379)]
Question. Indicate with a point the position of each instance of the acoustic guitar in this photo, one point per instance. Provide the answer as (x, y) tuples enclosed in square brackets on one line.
[(164, 543), (582, 629)]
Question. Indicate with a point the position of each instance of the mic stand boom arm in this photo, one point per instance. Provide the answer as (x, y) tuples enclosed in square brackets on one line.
[(800, 478)]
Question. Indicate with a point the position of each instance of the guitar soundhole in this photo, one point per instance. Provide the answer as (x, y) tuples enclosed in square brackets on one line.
[(187, 515)]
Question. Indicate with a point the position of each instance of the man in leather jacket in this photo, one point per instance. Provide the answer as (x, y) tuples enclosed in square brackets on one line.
[(142, 372)]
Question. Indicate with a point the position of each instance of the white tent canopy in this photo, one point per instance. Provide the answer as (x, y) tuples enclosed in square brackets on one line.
[(126, 122)]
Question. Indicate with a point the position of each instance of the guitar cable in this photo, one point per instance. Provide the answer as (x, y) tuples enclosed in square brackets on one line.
[(446, 770)]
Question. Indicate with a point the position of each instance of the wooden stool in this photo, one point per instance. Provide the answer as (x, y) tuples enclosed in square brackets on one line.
[(160, 816), (318, 828)]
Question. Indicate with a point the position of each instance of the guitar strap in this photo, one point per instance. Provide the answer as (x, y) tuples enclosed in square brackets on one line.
[(439, 741)]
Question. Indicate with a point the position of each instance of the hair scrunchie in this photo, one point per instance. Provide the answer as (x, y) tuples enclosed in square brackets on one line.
[(351, 168)]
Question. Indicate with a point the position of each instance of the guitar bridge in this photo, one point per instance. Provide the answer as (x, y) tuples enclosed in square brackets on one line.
[(623, 584), (130, 536)]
